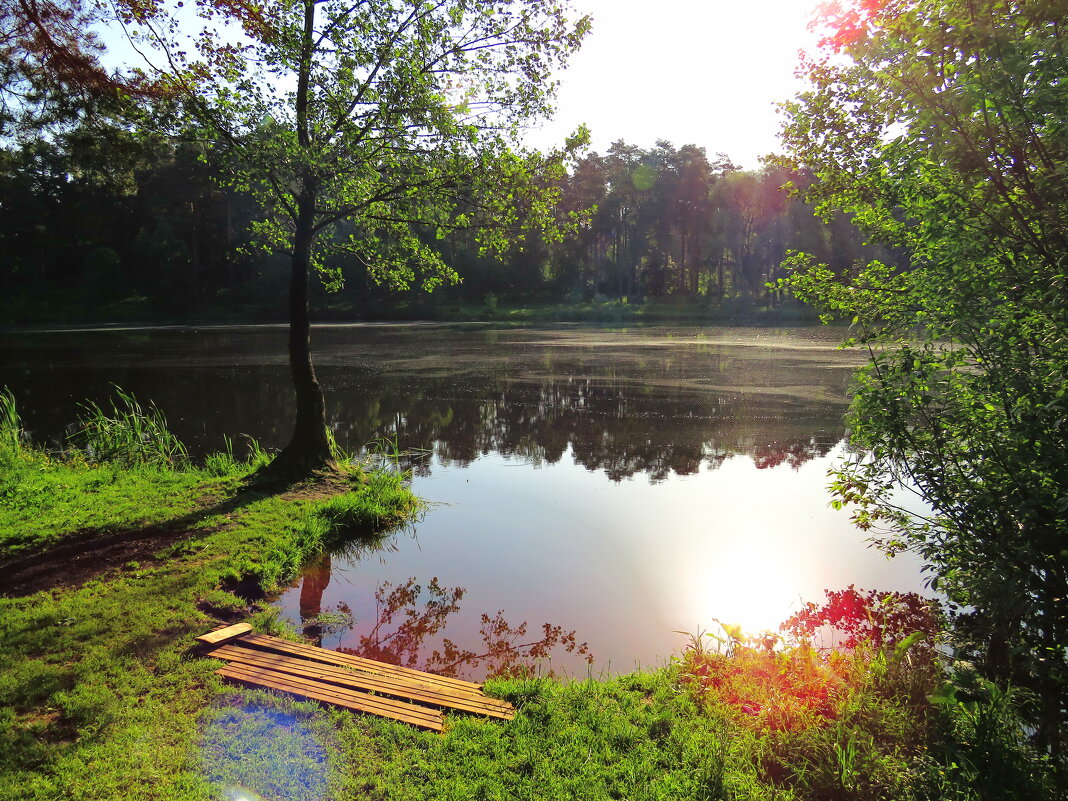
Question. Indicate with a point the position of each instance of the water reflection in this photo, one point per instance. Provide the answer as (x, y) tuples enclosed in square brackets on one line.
[(626, 484), (624, 564), (408, 628), (314, 581), (658, 403)]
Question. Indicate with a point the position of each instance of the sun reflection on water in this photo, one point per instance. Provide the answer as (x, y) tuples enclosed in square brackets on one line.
[(751, 587)]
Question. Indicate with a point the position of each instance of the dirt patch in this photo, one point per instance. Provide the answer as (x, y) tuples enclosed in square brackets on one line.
[(86, 555)]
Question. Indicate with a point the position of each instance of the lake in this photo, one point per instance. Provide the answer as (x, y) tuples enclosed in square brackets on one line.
[(624, 485)]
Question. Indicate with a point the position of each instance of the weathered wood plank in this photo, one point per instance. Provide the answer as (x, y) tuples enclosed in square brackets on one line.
[(337, 696), (345, 677), (359, 663), (225, 633)]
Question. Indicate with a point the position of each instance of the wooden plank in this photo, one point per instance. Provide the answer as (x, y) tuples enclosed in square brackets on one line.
[(390, 685), (225, 633), (336, 696), (411, 713), (348, 699), (358, 663)]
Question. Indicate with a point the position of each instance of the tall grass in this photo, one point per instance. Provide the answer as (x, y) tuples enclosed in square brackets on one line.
[(878, 718), (10, 426), (128, 435)]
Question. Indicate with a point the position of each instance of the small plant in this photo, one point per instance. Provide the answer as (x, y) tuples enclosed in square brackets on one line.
[(385, 454), (366, 515), (258, 456), (222, 463), (128, 435), (337, 453)]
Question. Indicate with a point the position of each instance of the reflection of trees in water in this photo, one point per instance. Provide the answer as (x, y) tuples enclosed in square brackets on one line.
[(794, 454), (614, 426), (408, 624), (618, 425)]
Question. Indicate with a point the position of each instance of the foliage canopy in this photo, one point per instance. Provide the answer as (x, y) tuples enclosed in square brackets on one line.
[(940, 127), (370, 128)]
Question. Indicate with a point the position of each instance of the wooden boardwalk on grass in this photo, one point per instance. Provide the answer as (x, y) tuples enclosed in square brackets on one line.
[(346, 681)]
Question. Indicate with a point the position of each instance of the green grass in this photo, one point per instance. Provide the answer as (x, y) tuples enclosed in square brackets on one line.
[(127, 435), (43, 499), (98, 698), (101, 698)]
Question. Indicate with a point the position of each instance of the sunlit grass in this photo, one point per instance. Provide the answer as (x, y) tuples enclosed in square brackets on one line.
[(876, 717), (98, 698)]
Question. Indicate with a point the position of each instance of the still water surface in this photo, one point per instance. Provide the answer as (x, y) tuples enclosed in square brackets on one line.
[(624, 485)]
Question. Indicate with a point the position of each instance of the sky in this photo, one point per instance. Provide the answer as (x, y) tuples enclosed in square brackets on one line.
[(703, 72)]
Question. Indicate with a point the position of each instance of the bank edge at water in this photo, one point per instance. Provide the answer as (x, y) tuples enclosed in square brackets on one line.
[(102, 700)]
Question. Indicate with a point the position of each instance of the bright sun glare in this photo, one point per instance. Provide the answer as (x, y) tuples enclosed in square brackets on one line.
[(751, 588)]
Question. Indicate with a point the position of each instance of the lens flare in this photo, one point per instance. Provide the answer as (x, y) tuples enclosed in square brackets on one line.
[(254, 751)]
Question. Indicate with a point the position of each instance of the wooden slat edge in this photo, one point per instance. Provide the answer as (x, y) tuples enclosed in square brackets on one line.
[(389, 684), (367, 702), (358, 662), (360, 702), (348, 705), (401, 688), (225, 633), (268, 641), (385, 683)]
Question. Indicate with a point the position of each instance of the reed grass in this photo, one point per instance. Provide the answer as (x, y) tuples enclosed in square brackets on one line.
[(129, 434), (11, 434)]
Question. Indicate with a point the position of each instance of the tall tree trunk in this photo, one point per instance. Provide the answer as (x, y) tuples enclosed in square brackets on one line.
[(309, 448)]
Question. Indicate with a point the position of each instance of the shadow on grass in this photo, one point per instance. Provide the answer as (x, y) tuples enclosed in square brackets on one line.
[(89, 553)]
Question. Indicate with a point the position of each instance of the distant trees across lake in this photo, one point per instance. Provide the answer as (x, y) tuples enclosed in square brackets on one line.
[(103, 221)]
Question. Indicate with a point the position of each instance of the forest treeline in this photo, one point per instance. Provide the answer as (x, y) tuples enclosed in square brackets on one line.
[(103, 221)]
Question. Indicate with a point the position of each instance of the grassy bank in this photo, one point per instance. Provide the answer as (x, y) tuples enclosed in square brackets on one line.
[(112, 568)]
